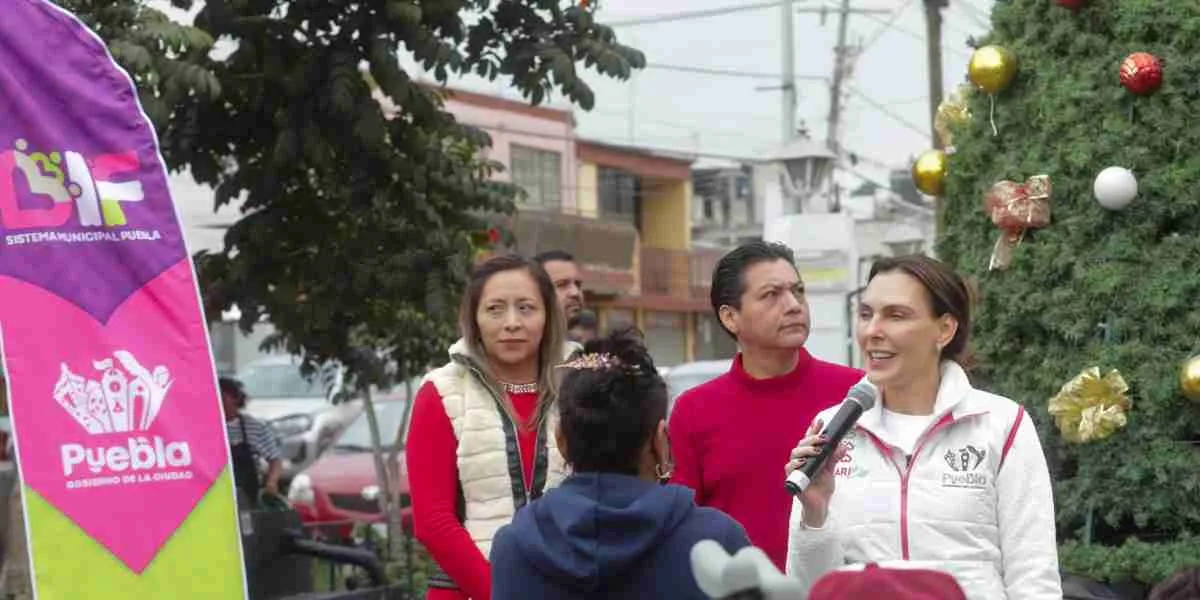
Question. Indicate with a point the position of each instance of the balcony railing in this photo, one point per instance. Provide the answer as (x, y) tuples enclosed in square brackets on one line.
[(677, 273)]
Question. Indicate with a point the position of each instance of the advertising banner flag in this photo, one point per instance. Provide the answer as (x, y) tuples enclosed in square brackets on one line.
[(120, 437)]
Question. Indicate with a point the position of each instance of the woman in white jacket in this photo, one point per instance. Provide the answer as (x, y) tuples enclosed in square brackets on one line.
[(938, 474)]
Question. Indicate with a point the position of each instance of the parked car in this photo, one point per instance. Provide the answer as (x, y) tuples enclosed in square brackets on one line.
[(342, 488), (682, 378), (300, 409)]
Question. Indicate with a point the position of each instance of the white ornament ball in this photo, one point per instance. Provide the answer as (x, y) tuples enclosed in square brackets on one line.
[(1115, 188)]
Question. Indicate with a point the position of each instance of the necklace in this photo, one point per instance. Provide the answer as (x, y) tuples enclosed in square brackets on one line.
[(520, 388)]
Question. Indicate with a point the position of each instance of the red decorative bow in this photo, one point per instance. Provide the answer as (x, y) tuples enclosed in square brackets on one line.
[(1016, 208)]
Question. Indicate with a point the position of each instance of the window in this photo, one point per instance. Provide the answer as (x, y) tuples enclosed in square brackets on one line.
[(281, 380), (619, 318), (666, 337), (743, 187), (619, 192), (539, 173), (389, 417)]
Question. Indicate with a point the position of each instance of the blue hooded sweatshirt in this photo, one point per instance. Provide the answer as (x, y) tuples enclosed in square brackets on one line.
[(602, 535)]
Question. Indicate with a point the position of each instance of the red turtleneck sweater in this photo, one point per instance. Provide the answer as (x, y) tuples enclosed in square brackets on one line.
[(732, 436)]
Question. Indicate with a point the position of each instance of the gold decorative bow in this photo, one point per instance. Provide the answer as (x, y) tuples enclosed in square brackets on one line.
[(951, 114), (1090, 407)]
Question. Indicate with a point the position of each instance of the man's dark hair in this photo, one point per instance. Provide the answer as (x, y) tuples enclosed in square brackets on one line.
[(584, 318), (728, 281), (234, 389), (609, 410), (551, 255)]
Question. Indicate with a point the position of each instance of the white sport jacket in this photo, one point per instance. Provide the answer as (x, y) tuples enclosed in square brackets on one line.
[(974, 500)]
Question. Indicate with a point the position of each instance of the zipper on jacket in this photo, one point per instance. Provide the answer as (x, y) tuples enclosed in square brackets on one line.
[(905, 471), (516, 429)]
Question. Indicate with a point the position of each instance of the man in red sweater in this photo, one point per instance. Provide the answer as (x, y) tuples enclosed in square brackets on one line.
[(731, 436)]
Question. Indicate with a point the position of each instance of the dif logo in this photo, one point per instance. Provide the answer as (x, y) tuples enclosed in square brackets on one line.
[(88, 189)]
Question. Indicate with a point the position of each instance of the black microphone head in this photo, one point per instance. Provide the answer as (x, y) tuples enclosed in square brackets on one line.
[(864, 393)]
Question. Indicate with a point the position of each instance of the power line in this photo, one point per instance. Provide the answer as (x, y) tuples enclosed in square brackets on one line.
[(699, 14), (975, 14), (954, 28), (879, 106), (910, 33), (716, 12), (887, 112), (728, 73), (887, 24), (905, 101)]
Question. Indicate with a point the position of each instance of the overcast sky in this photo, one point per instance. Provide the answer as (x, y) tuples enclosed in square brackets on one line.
[(728, 115), (724, 115)]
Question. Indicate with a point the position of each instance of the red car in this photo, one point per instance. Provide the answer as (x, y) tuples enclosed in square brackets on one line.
[(341, 489)]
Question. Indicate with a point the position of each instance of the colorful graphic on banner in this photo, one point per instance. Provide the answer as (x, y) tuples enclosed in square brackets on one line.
[(120, 438)]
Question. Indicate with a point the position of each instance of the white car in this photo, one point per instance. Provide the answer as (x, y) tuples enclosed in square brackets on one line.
[(682, 378), (300, 410)]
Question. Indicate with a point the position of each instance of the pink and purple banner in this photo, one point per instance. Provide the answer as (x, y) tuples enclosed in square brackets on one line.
[(119, 432)]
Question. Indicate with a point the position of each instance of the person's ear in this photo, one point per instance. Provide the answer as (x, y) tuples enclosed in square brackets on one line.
[(729, 318), (664, 466), (947, 329)]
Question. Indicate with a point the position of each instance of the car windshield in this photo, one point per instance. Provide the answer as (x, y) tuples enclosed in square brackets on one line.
[(357, 437), (678, 384), (280, 381)]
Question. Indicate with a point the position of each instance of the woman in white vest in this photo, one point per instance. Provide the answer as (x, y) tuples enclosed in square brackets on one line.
[(938, 474), (479, 447)]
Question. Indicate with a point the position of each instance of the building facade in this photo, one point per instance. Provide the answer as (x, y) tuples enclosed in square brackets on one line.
[(836, 239), (726, 211), (625, 213)]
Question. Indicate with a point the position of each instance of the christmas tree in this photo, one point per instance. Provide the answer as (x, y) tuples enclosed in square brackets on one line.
[(1114, 287)]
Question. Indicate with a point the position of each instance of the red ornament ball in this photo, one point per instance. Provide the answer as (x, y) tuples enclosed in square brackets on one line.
[(1072, 4), (1141, 73)]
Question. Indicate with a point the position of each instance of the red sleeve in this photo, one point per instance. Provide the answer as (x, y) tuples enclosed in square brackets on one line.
[(683, 452), (431, 455)]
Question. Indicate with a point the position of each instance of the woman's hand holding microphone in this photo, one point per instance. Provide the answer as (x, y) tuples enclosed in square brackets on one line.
[(815, 499)]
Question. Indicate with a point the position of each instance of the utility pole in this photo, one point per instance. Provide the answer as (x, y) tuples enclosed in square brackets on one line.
[(933, 42), (835, 89), (842, 65), (788, 70), (631, 120)]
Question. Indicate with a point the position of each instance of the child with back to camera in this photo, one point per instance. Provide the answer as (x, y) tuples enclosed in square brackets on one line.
[(614, 528)]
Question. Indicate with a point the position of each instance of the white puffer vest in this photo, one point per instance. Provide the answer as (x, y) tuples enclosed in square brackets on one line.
[(489, 457)]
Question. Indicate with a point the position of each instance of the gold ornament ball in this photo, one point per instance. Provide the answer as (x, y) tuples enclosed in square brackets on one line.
[(1189, 378), (992, 68), (929, 172)]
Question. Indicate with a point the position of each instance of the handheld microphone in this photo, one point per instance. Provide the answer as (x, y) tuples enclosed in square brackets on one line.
[(859, 399)]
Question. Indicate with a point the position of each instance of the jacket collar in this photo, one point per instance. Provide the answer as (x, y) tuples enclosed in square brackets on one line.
[(953, 399)]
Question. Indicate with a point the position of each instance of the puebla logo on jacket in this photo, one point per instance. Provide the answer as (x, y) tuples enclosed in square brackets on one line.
[(964, 466), (848, 467)]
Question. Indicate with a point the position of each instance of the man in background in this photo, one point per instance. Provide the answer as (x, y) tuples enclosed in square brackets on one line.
[(731, 435), (568, 283), (250, 441)]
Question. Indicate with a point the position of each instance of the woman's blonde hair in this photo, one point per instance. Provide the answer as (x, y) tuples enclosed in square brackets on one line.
[(551, 347)]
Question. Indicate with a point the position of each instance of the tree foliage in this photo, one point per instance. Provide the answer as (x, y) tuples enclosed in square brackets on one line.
[(165, 58), (1131, 273), (356, 227)]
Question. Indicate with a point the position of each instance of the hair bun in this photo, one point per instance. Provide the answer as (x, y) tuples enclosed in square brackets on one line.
[(627, 345)]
